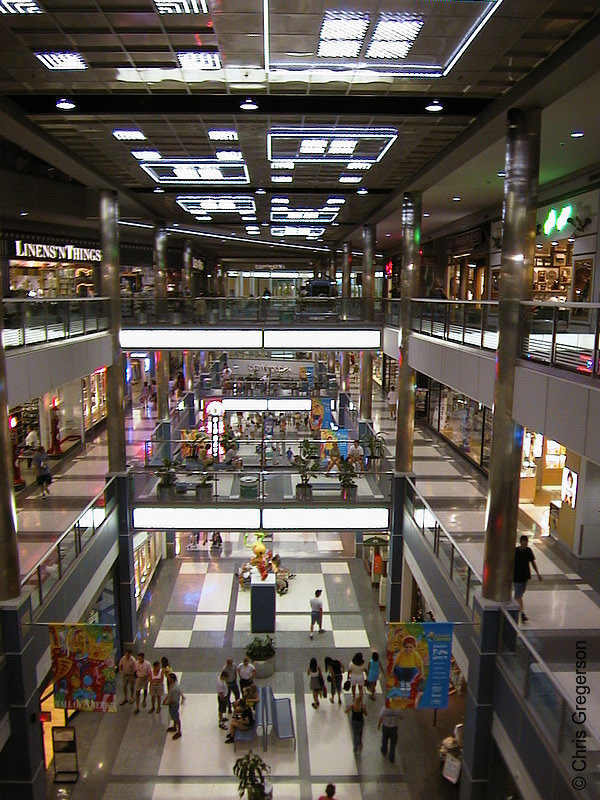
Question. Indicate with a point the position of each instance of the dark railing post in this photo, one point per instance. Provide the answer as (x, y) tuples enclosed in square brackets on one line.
[(39, 581), (484, 309), (596, 354), (59, 561), (464, 322), (468, 585), (446, 321), (45, 307), (67, 320), (451, 561)]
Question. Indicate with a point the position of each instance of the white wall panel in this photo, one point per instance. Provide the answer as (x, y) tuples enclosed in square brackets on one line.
[(31, 371), (451, 368), (469, 373), (486, 378), (529, 402), (592, 434), (390, 342), (567, 413)]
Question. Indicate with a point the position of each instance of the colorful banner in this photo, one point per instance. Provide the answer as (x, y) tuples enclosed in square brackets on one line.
[(83, 666), (418, 665)]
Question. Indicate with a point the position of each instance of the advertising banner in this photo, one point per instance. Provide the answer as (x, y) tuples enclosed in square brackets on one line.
[(83, 666), (418, 665)]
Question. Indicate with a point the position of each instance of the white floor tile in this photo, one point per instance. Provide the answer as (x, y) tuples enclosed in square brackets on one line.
[(173, 639), (210, 622), (42, 520), (559, 608), (223, 791), (328, 547), (191, 568), (299, 622), (302, 588), (474, 554), (80, 489), (329, 735), (458, 489), (352, 639), (334, 567), (216, 593), (572, 576), (435, 468), (585, 587)]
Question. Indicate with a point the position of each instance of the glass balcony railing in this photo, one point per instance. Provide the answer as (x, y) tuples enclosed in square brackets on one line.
[(457, 566), (562, 335), (561, 702), (276, 311), (31, 321), (64, 552)]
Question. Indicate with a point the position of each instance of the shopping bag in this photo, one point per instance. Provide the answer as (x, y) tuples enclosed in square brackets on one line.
[(451, 769)]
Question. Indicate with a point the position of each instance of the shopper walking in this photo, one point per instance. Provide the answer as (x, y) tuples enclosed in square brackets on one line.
[(357, 712), (222, 699), (32, 442), (246, 673), (43, 475), (316, 612), (127, 672), (142, 676), (356, 674), (230, 671), (335, 675), (329, 792), (392, 399), (317, 682), (173, 700), (522, 573), (373, 674), (388, 724)]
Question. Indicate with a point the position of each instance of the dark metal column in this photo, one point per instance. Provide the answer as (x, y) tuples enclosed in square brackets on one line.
[(111, 288), (160, 273), (188, 365), (332, 266), (516, 280), (368, 304), (345, 313), (10, 583), (161, 358), (186, 272), (405, 418)]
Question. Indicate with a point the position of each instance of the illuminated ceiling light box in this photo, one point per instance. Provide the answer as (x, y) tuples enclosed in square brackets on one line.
[(334, 518), (322, 215), (128, 135), (193, 171), (223, 136), (191, 339), (62, 61), (217, 204), (243, 404), (169, 518), (316, 339), (199, 60), (181, 6), (342, 34), (332, 145), (297, 230), (19, 7), (291, 404)]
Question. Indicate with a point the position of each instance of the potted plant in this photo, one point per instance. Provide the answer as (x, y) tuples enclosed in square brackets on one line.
[(376, 445), (251, 771), (261, 651), (204, 488), (308, 464), (167, 479), (346, 477)]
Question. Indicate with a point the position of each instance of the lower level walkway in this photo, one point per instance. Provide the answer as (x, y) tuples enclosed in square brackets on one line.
[(197, 616)]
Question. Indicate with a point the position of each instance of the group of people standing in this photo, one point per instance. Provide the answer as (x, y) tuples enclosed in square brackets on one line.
[(138, 676), (245, 694)]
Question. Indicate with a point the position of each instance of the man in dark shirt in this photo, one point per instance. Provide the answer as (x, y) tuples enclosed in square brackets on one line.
[(522, 572)]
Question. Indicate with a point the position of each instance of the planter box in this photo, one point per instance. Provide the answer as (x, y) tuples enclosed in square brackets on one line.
[(350, 493), (264, 669), (165, 492), (204, 492), (304, 491)]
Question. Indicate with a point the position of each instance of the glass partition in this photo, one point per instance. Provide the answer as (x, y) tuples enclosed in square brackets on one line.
[(31, 322)]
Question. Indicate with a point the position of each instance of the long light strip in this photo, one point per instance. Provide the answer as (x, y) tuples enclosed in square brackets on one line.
[(273, 404), (316, 340), (243, 404), (243, 239), (318, 519), (293, 404), (169, 518), (173, 339), (474, 33)]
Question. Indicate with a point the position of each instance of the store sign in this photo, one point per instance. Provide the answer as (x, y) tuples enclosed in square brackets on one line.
[(465, 241), (56, 252)]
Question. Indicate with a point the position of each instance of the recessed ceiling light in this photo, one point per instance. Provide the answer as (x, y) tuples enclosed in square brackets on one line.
[(146, 155), (223, 136), (388, 234), (350, 178), (313, 146), (434, 105), (336, 201), (158, 190), (501, 174), (576, 134), (62, 61), (342, 146), (199, 59), (571, 239), (281, 178), (284, 164), (426, 213), (24, 213), (358, 164), (181, 6), (248, 105), (229, 155), (362, 190), (260, 191), (554, 244), (539, 246), (456, 199), (128, 135), (284, 200), (205, 218), (65, 104)]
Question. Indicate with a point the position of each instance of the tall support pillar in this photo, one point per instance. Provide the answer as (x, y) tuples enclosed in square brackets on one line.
[(160, 273), (518, 247), (331, 359), (10, 583), (111, 288), (345, 313), (188, 366), (332, 267), (186, 272), (161, 358), (405, 417), (368, 303), (125, 565)]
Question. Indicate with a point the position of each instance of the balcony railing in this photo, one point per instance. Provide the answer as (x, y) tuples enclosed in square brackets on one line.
[(63, 553), (562, 335), (200, 311), (32, 322), (457, 566)]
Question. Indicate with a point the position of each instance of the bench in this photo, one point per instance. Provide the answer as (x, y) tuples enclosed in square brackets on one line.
[(248, 735), (278, 716)]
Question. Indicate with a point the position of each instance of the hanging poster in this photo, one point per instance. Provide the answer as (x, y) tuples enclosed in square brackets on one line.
[(83, 666), (418, 664)]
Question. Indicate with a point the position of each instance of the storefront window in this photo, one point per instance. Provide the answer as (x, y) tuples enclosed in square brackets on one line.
[(434, 405), (147, 552)]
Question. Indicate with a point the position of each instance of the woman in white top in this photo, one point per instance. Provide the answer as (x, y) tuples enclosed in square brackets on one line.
[(392, 402), (356, 674)]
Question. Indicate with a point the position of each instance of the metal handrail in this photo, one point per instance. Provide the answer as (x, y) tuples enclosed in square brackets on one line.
[(61, 299)]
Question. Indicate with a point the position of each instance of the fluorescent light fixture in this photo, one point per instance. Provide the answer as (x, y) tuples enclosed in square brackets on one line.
[(315, 339), (229, 155), (217, 204), (473, 33), (336, 201), (359, 165), (456, 199), (577, 134), (204, 218), (280, 214), (284, 164), (332, 49), (65, 104), (329, 144), (248, 105), (181, 6), (297, 230), (394, 35), (193, 339), (282, 178), (223, 136), (291, 404), (362, 190), (280, 200), (243, 404), (260, 191), (313, 145), (175, 517), (434, 106), (131, 135), (196, 171), (19, 7), (501, 174), (146, 155), (158, 190), (343, 146), (62, 61), (342, 34), (199, 59), (318, 519), (350, 178), (382, 50)]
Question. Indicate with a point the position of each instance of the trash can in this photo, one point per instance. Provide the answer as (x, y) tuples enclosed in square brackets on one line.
[(249, 487)]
